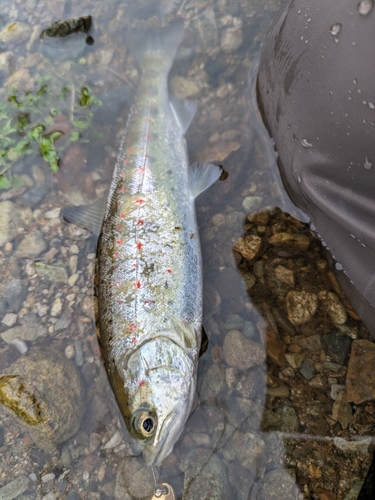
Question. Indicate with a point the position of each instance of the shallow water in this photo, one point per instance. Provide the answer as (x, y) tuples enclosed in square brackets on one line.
[(280, 428)]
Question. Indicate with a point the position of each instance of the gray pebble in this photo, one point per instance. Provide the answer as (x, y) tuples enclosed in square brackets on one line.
[(15, 32), (10, 222), (248, 330), (31, 246), (3, 306), (65, 457), (34, 197), (234, 322), (5, 64), (16, 292), (52, 272), (14, 488), (279, 485), (79, 359), (307, 370), (231, 40), (251, 203)]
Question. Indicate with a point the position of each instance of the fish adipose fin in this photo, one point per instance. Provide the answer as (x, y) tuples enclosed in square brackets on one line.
[(184, 112), (202, 177), (88, 217)]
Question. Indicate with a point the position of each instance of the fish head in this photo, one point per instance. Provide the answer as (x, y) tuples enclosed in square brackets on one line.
[(160, 396)]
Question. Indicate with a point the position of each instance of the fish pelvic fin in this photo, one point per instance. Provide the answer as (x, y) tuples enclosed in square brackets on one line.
[(88, 217), (202, 177)]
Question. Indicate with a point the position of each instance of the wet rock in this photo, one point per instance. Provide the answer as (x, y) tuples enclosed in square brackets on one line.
[(15, 292), (13, 333), (3, 306), (279, 485), (333, 307), (15, 33), (206, 27), (297, 242), (251, 203), (311, 343), (235, 219), (360, 378), (183, 88), (234, 322), (10, 319), (5, 64), (249, 449), (31, 246), (342, 411), (242, 353), (231, 40), (248, 330), (248, 247), (307, 370), (360, 445), (32, 328), (285, 275), (337, 345), (218, 152), (14, 488), (301, 306), (52, 272), (134, 480), (354, 492), (213, 383), (10, 222), (275, 347), (288, 419), (241, 480), (249, 280), (295, 359), (44, 392), (34, 197), (205, 476)]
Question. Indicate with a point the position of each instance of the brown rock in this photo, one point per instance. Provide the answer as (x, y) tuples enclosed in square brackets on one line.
[(333, 307), (342, 411), (360, 378), (275, 347), (218, 152), (242, 353), (285, 275), (301, 306), (248, 247), (297, 242), (325, 494)]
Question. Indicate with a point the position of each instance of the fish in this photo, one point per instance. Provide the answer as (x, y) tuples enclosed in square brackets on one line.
[(149, 258)]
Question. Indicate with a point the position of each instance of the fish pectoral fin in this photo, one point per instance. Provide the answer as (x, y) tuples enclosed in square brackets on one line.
[(183, 111), (187, 332), (89, 217), (202, 177)]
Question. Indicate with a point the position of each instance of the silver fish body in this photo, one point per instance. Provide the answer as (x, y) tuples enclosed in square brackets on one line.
[(149, 264)]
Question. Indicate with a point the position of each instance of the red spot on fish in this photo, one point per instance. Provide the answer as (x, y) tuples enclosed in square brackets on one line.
[(118, 227), (138, 284), (142, 170), (148, 137), (135, 265), (122, 189), (133, 327), (118, 242), (146, 156), (120, 301), (169, 271), (142, 382), (117, 203), (135, 111), (139, 201), (130, 150), (140, 222), (116, 285), (126, 160), (115, 255), (128, 139), (122, 216), (139, 245), (122, 174), (147, 92)]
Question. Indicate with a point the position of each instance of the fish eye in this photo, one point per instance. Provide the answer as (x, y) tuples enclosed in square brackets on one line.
[(144, 423)]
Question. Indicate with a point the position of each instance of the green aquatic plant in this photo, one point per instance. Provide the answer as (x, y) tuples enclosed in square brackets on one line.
[(28, 125)]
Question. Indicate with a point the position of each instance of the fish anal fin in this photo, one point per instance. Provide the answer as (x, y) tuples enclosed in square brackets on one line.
[(183, 111), (202, 177)]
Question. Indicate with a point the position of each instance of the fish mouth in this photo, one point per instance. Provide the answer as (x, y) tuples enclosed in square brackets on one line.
[(154, 453)]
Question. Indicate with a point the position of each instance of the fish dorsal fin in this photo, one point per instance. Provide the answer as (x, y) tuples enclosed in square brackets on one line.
[(89, 217), (202, 177), (187, 332), (183, 111)]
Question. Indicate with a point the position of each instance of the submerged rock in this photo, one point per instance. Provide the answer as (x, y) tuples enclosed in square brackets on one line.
[(134, 480), (205, 476), (44, 392), (279, 485), (31, 246), (10, 222)]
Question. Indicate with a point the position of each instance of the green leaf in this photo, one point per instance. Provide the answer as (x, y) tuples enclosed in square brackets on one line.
[(75, 136), (5, 182), (36, 132), (42, 90), (81, 124), (21, 146)]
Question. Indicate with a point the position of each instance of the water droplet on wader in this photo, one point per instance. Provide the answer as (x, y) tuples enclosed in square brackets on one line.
[(306, 144), (365, 7), (335, 29), (367, 164)]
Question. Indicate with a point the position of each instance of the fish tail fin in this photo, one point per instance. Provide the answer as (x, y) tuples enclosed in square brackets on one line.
[(162, 41)]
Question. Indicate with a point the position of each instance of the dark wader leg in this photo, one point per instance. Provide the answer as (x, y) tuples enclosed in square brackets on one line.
[(316, 90)]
